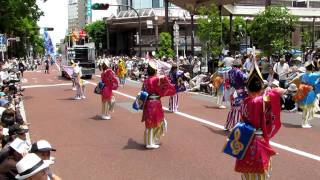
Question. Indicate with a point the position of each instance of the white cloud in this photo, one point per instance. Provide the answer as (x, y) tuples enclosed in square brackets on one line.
[(56, 16)]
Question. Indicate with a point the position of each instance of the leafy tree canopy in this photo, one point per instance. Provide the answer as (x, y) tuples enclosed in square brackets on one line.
[(165, 45), (270, 29), (209, 28), (97, 32)]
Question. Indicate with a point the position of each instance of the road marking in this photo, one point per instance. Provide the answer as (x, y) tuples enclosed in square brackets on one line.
[(47, 85), (280, 146), (57, 67)]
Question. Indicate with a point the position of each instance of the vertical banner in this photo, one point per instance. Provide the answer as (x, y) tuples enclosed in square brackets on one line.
[(89, 11)]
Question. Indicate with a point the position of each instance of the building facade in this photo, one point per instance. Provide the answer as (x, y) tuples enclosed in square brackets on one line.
[(123, 27), (77, 15)]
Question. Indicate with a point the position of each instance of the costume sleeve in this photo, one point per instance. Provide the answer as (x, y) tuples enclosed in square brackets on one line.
[(164, 87), (272, 122)]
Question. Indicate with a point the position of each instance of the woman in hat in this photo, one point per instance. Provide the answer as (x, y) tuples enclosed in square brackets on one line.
[(153, 115), (237, 81), (261, 110), (225, 97), (110, 83), (306, 95), (79, 83)]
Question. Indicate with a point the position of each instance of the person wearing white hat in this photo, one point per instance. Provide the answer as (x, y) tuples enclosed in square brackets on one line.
[(42, 148), (275, 84), (307, 94), (79, 83), (288, 103), (153, 115), (31, 167)]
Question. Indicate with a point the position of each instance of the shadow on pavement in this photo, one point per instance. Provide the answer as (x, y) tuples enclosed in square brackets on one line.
[(132, 144), (211, 107), (65, 99), (27, 97), (217, 131), (287, 125), (98, 118)]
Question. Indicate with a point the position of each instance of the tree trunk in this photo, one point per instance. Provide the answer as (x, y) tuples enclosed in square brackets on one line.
[(268, 3)]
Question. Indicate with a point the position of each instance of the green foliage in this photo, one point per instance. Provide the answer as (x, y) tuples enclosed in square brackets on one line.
[(165, 45), (271, 29), (239, 31), (97, 32), (209, 28), (306, 38), (19, 18)]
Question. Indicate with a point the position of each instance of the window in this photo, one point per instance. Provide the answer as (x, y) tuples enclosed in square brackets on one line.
[(299, 3), (155, 3)]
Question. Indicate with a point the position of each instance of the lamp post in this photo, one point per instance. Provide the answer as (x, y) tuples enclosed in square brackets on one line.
[(156, 31)]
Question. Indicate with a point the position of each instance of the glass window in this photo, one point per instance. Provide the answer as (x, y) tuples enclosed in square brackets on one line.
[(155, 3), (299, 3)]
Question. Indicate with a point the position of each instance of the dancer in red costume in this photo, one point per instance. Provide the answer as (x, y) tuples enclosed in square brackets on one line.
[(261, 110), (153, 115)]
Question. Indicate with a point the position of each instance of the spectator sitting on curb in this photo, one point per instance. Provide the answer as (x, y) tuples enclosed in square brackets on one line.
[(43, 149), (31, 167)]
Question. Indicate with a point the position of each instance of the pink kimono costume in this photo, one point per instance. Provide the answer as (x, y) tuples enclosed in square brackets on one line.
[(153, 115), (106, 78), (263, 112)]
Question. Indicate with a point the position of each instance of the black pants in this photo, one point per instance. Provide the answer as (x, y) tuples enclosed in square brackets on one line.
[(46, 71), (282, 83)]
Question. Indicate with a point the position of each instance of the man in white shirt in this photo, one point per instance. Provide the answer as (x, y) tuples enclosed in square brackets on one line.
[(129, 65), (282, 69), (248, 64), (196, 66)]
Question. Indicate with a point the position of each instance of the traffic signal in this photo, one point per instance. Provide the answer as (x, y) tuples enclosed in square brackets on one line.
[(48, 29), (100, 6)]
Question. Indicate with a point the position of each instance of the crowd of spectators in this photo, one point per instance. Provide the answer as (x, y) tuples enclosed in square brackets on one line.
[(19, 157), (198, 72)]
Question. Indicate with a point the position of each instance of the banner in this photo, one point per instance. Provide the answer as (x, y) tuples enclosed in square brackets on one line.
[(48, 46)]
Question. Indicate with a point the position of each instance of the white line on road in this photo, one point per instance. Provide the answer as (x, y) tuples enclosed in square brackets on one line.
[(280, 146), (58, 67), (47, 85)]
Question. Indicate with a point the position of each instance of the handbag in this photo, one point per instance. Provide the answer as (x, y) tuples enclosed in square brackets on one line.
[(140, 100), (99, 87), (239, 140)]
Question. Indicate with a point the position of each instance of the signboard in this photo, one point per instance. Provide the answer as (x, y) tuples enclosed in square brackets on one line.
[(149, 24), (176, 34), (89, 10)]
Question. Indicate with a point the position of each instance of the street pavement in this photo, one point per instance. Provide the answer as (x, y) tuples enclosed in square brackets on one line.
[(90, 149)]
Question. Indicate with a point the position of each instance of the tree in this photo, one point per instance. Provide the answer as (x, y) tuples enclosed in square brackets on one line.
[(306, 38), (209, 29), (165, 45), (97, 31), (239, 25), (19, 18), (271, 29)]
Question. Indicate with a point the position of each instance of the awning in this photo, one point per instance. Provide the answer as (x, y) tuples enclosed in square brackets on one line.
[(191, 5)]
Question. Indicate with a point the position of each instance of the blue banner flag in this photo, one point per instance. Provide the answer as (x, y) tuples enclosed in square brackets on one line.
[(48, 44)]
